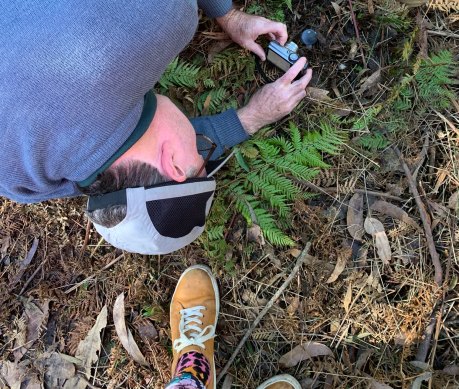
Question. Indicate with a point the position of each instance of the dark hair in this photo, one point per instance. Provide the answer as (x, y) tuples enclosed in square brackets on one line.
[(129, 175)]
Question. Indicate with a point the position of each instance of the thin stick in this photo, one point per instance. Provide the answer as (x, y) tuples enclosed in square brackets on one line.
[(26, 284), (424, 217), (93, 275), (357, 34), (86, 237), (301, 259), (443, 33), (334, 189)]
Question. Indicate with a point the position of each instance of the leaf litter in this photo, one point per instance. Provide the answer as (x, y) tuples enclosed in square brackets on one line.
[(389, 306)]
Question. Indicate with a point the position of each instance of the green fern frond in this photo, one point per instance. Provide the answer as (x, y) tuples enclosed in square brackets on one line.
[(210, 102), (179, 73), (295, 136), (271, 232), (364, 121), (373, 142), (285, 145), (297, 170)]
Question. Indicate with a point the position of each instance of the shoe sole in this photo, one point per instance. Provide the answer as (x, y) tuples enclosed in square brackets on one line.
[(217, 303), (281, 378)]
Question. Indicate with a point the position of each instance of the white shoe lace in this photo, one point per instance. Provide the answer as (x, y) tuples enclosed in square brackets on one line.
[(190, 322)]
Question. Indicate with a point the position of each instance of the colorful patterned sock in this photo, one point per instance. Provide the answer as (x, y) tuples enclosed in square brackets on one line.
[(193, 371), (185, 381)]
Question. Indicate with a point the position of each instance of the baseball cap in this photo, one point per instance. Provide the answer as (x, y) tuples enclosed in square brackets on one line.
[(159, 219)]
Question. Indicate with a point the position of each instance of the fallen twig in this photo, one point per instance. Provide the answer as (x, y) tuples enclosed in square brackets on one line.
[(424, 217), (421, 355), (422, 157), (301, 259), (86, 237), (357, 34), (334, 189), (93, 275), (443, 33), (24, 264)]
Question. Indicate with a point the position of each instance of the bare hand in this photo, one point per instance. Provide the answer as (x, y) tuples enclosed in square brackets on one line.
[(244, 29), (275, 100)]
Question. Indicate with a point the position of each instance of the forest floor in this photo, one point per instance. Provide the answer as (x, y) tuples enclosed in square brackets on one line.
[(370, 310)]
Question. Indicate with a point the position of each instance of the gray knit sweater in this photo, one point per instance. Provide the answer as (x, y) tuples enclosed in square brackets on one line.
[(73, 75)]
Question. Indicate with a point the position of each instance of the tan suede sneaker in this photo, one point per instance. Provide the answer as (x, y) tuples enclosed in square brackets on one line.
[(194, 313), (282, 381)]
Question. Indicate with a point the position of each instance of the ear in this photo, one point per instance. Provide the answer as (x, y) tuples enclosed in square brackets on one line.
[(169, 166)]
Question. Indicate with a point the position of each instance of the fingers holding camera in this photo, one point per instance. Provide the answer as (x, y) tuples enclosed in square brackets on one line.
[(274, 101), (245, 29), (293, 72)]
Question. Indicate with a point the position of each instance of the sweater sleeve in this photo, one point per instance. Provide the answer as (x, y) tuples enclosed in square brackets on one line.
[(215, 8), (225, 129)]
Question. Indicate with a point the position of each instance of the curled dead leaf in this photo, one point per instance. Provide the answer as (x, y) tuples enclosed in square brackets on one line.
[(125, 335), (354, 216), (35, 317), (343, 256), (370, 82), (304, 351), (254, 234), (348, 298), (453, 202), (392, 210), (451, 370), (317, 94), (87, 352), (378, 385), (373, 226), (376, 229)]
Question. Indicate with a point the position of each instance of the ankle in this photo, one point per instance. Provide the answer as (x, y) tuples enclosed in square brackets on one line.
[(196, 364)]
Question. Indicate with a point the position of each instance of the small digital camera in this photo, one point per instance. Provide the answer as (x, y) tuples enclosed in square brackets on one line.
[(283, 56)]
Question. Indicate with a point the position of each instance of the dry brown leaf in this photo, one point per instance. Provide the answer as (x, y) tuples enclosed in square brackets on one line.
[(24, 263), (35, 316), (12, 373), (4, 246), (293, 306), (87, 352), (376, 229), (125, 335), (363, 358), (294, 252), (392, 210), (254, 234), (378, 385), (317, 94), (348, 298), (370, 82), (343, 256), (453, 202), (217, 47), (304, 351), (55, 365), (336, 7), (146, 330), (354, 216), (228, 382), (451, 370)]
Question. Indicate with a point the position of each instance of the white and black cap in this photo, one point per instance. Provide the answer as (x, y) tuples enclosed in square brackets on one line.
[(159, 219)]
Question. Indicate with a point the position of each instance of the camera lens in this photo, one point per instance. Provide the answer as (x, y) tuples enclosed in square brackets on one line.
[(292, 46)]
